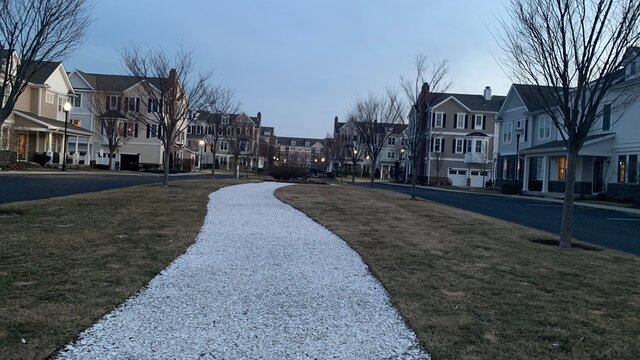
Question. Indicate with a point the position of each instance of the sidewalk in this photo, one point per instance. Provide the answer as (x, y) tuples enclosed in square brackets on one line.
[(558, 201), (262, 281)]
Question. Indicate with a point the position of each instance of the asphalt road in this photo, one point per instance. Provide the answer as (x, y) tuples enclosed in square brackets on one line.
[(39, 186), (607, 228)]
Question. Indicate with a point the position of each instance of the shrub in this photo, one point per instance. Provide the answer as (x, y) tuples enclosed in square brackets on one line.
[(102, 167), (41, 159), (509, 189), (488, 184), (284, 172)]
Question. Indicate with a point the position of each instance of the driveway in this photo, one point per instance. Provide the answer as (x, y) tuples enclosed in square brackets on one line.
[(22, 187), (608, 228), (262, 281)]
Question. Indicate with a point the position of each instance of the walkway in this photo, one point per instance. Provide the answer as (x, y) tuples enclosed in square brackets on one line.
[(262, 281)]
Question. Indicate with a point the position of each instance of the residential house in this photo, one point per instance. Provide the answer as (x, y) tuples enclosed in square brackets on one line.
[(268, 144), (36, 126), (608, 159), (103, 96), (240, 138), (462, 130), (302, 152)]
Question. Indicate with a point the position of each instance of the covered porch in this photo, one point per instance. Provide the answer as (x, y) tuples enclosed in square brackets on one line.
[(36, 135), (545, 166)]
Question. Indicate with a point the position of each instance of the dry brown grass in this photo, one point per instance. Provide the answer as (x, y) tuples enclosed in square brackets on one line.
[(473, 287), (65, 262)]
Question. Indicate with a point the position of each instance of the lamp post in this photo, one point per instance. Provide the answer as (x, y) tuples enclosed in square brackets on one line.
[(66, 107), (200, 157), (517, 165), (403, 157)]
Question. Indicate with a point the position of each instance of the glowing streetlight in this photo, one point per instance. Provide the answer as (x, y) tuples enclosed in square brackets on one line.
[(66, 107)]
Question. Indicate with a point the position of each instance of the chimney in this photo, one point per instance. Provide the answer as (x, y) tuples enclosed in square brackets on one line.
[(259, 118), (335, 124), (487, 93), (423, 96)]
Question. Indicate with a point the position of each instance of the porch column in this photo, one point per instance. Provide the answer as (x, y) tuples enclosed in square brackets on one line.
[(49, 148), (525, 175), (76, 156), (37, 141), (26, 146), (545, 174)]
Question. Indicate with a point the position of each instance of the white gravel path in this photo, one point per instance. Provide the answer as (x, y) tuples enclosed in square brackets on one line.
[(263, 281)]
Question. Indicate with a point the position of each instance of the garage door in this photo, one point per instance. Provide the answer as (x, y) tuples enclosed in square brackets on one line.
[(129, 162), (458, 177), (477, 178)]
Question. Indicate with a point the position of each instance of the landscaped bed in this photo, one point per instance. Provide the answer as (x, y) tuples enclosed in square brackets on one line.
[(474, 287), (65, 262)]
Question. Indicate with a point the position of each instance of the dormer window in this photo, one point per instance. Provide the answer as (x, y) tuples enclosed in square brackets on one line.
[(225, 120), (631, 71), (293, 143), (307, 143)]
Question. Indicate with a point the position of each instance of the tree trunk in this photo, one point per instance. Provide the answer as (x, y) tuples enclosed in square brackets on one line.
[(414, 177), (567, 207), (110, 160), (165, 176), (213, 164), (341, 172), (353, 173)]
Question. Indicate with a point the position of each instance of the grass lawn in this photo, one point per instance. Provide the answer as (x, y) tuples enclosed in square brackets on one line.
[(65, 262), (474, 287)]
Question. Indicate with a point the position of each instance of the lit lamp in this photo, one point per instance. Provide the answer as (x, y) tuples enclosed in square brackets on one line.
[(517, 169), (200, 158), (66, 107)]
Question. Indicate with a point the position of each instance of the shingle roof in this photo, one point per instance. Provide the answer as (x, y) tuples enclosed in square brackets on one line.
[(43, 69), (560, 144), (535, 97), (473, 102), (283, 140), (106, 82)]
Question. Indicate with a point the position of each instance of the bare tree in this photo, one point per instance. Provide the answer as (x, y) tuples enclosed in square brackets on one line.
[(239, 141), (419, 91), (33, 32), (221, 104), (375, 119), (173, 87), (486, 160), (572, 52), (112, 124), (335, 150), (439, 158), (353, 146)]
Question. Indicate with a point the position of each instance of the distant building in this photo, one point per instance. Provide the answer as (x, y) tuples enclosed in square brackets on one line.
[(302, 152)]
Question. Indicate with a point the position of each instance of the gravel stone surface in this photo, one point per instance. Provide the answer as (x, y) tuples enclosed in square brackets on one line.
[(262, 281)]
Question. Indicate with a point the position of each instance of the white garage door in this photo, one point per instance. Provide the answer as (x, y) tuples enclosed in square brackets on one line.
[(458, 177)]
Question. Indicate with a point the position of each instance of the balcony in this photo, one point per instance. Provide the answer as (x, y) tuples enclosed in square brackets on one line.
[(475, 158)]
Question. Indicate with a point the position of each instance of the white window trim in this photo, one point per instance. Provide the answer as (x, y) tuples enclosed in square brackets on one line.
[(435, 121), (461, 142), (60, 105), (438, 141), (475, 121), (49, 97), (544, 129), (460, 120), (507, 134), (113, 105)]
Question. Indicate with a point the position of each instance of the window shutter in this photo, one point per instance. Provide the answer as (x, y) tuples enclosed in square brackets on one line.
[(432, 143), (126, 104), (149, 106), (159, 131), (466, 121), (148, 130), (135, 130), (455, 121), (484, 122), (160, 107), (453, 146), (442, 145), (526, 125), (433, 119), (119, 107), (137, 104), (464, 146), (444, 120), (108, 103)]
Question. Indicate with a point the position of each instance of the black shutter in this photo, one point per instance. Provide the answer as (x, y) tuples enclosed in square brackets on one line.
[(137, 104), (108, 103), (119, 107), (455, 121), (466, 121), (149, 106), (453, 146), (464, 146), (160, 106), (126, 104), (484, 122), (432, 143), (433, 119), (526, 126), (135, 130), (444, 120), (148, 130), (442, 145)]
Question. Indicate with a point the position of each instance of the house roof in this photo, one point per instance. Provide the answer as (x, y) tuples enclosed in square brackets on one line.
[(477, 134), (51, 123), (471, 101), (283, 140), (535, 97), (107, 82), (560, 144), (43, 70), (114, 114)]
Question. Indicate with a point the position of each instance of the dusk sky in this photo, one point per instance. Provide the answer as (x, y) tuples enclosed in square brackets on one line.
[(303, 62)]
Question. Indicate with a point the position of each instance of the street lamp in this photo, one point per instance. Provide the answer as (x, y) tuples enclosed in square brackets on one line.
[(200, 157), (517, 167), (66, 107)]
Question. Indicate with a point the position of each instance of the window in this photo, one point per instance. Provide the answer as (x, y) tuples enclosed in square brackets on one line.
[(460, 120), (77, 101), (438, 120), (539, 169), (633, 169), (478, 123), (113, 102), (391, 155), (562, 169), (61, 103), (198, 130), (293, 143), (225, 120), (153, 105), (459, 146), (507, 133), (479, 146), (391, 141), (132, 104), (224, 146), (622, 168), (606, 117), (452, 172), (475, 173), (75, 122), (190, 129), (49, 97), (307, 143), (208, 130), (469, 142), (544, 128), (267, 133), (438, 145)]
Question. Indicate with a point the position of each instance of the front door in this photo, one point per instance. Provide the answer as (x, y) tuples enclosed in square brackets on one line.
[(22, 147), (598, 167)]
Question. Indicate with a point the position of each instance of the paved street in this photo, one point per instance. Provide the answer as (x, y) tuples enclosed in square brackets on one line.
[(40, 186), (608, 228)]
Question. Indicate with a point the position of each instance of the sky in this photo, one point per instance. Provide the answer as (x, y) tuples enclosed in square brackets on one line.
[(302, 62)]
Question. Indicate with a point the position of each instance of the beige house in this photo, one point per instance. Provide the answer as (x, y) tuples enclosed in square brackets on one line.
[(36, 126), (303, 152)]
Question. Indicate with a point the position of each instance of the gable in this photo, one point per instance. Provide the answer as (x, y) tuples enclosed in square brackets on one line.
[(450, 105), (78, 82), (59, 82)]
